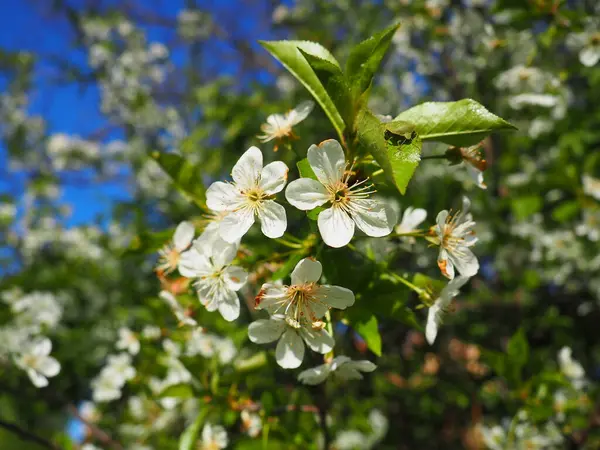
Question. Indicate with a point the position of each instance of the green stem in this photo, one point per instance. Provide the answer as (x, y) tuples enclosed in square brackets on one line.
[(434, 157), (407, 283), (377, 172)]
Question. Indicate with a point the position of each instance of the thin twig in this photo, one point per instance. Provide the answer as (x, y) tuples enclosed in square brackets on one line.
[(97, 432), (27, 435)]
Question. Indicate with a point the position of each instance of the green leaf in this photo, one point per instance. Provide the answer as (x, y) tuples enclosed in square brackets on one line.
[(395, 146), (365, 58), (369, 330), (462, 123), (335, 83), (526, 206), (305, 169), (181, 390), (190, 435), (254, 362), (288, 53), (185, 176), (566, 211), (289, 265), (518, 349), (313, 214), (148, 242)]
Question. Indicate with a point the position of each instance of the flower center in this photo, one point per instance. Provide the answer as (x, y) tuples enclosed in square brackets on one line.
[(255, 195), (300, 297)]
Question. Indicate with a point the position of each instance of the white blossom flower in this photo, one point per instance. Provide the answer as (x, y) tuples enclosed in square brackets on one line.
[(106, 388), (290, 348), (411, 219), (590, 226), (119, 367), (128, 341), (279, 126), (591, 186), (180, 313), (455, 236), (341, 367), (474, 161), (209, 345), (36, 361), (440, 307), (171, 253), (304, 302), (214, 437), (89, 411), (251, 422), (250, 196), (151, 332), (217, 280), (570, 367), (352, 439), (350, 204)]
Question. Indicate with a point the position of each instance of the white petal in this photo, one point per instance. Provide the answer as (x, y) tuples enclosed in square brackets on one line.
[(412, 218), (434, 318), (264, 331), (42, 347), (308, 270), (229, 306), (273, 221), (464, 261), (223, 196), (246, 171), (300, 112), (306, 194), (477, 176), (193, 264), (318, 340), (589, 55), (452, 288), (270, 297), (327, 161), (445, 264), (316, 375), (273, 177), (37, 379), (50, 367), (374, 218), (290, 350), (184, 233), (235, 277), (336, 227), (335, 296), (441, 221), (218, 251), (363, 365), (236, 224)]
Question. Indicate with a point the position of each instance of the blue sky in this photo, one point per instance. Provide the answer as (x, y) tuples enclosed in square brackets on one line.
[(73, 108)]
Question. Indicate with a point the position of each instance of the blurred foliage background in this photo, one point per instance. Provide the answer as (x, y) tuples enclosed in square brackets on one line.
[(191, 78)]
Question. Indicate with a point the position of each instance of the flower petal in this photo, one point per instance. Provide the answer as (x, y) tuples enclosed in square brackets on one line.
[(445, 264), (218, 251), (246, 171), (271, 297), (327, 161), (223, 196), (264, 331), (316, 375), (184, 233), (318, 340), (465, 261), (49, 366), (273, 177), (306, 194), (308, 270), (411, 219), (37, 379), (363, 365), (300, 112), (193, 264), (235, 277), (373, 217), (336, 227), (434, 319), (589, 55), (335, 296), (290, 350), (229, 306), (236, 224), (273, 220)]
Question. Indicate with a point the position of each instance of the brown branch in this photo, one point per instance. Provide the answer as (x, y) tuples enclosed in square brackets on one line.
[(26, 435), (96, 431)]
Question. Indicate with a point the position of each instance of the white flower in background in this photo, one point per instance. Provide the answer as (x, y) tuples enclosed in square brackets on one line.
[(119, 367), (90, 447), (440, 307), (151, 332), (590, 226), (341, 367), (588, 44), (37, 309), (350, 204), (251, 423), (411, 219), (180, 313), (520, 101), (217, 280), (89, 412), (171, 253), (591, 186), (570, 367), (214, 437), (455, 236), (473, 159), (128, 341), (304, 302), (290, 348), (209, 345), (353, 439), (106, 388), (279, 126), (494, 437), (36, 361), (250, 196)]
